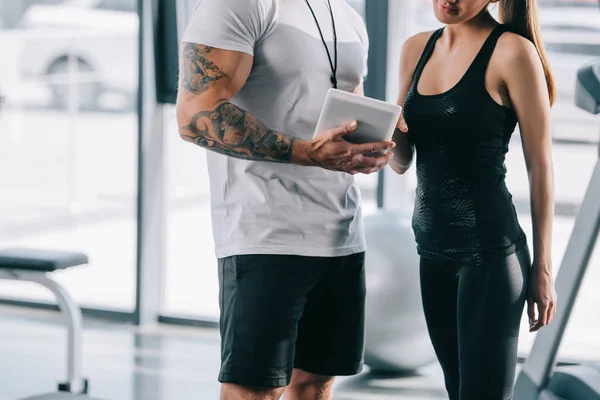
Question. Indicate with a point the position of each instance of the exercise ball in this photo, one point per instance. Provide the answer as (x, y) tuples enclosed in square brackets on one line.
[(396, 332)]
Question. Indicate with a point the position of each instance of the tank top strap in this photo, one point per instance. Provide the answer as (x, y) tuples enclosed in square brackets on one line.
[(480, 64), (427, 52)]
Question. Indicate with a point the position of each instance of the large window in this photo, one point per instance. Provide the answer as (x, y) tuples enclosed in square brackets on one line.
[(68, 143), (191, 268)]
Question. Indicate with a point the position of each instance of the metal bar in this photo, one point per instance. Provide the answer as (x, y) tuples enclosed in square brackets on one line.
[(107, 315), (376, 19), (397, 190), (381, 188), (72, 319), (140, 102), (206, 322), (151, 170), (375, 84)]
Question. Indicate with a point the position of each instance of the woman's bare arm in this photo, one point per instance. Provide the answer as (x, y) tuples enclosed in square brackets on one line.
[(411, 52), (526, 84)]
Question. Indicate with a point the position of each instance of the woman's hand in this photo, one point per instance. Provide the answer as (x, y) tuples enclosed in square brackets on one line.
[(541, 294), (402, 123)]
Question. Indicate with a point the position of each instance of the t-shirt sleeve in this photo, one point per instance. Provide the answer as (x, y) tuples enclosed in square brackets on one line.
[(366, 49), (361, 30), (228, 24)]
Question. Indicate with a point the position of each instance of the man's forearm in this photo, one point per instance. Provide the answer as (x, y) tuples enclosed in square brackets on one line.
[(229, 130)]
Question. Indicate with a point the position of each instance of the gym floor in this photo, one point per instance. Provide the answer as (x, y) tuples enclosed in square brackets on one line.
[(123, 362)]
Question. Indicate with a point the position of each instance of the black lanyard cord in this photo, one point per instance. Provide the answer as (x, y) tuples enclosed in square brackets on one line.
[(332, 63)]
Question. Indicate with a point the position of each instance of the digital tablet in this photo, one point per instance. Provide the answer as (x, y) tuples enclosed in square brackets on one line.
[(377, 119)]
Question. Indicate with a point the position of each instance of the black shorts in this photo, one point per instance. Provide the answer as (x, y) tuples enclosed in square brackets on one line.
[(282, 312)]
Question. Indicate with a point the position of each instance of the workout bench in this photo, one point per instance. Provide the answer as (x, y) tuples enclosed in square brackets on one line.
[(35, 266)]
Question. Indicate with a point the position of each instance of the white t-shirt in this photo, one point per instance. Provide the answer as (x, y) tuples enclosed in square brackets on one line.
[(270, 208)]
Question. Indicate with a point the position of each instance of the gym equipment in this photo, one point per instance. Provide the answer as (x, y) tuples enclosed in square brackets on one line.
[(34, 266), (396, 332), (539, 380)]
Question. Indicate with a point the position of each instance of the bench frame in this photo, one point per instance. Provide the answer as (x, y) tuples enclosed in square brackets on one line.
[(72, 317)]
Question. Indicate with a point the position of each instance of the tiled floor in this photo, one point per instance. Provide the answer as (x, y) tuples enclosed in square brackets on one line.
[(174, 363)]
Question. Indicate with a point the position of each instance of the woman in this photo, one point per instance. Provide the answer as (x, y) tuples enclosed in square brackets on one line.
[(464, 88)]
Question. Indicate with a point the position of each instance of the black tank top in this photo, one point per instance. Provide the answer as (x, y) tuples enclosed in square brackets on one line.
[(463, 210)]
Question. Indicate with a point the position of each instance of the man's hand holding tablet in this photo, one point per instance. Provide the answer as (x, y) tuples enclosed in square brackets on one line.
[(353, 134), (355, 126), (331, 151)]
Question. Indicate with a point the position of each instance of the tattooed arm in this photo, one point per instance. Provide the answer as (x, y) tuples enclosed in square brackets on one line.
[(209, 77), (214, 123)]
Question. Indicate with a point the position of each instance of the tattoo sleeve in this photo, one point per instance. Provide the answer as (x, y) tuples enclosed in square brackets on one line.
[(232, 131), (198, 72), (227, 129)]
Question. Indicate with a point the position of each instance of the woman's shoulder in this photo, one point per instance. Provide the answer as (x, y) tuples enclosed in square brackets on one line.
[(417, 43), (414, 46), (514, 48)]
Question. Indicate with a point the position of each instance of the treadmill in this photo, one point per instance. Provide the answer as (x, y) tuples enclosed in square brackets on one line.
[(540, 378)]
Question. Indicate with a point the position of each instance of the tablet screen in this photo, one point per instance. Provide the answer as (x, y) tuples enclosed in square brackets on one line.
[(377, 120)]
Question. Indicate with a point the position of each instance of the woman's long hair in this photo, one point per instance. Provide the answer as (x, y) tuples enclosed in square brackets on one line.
[(522, 17)]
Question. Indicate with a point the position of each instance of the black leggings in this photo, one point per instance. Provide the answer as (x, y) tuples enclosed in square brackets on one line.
[(473, 315)]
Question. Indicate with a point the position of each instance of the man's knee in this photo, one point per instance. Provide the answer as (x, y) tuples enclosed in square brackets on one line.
[(302, 380), (238, 392)]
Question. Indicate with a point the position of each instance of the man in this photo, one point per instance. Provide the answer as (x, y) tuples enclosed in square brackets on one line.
[(285, 207)]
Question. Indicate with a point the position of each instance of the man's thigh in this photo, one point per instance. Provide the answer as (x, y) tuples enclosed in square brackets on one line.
[(331, 330), (262, 298)]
